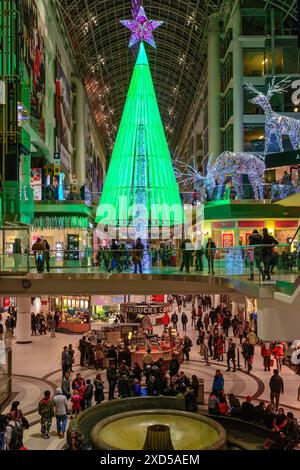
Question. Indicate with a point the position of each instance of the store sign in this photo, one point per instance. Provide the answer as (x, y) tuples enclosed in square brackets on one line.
[(144, 309), (36, 183), (158, 298), (296, 95)]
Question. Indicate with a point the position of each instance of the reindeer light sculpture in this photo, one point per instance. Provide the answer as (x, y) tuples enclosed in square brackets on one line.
[(276, 124), (228, 164)]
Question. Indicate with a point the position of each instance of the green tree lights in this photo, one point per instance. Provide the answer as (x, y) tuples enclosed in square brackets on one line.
[(140, 172)]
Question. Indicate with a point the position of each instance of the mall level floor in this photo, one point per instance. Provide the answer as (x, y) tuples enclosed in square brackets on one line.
[(37, 368)]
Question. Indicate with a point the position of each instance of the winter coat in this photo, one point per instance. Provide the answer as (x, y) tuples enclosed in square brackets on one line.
[(61, 404), (76, 399), (218, 383), (46, 408), (276, 384)]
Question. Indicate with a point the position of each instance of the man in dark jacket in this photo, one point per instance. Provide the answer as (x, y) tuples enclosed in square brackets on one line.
[(111, 375), (255, 254), (267, 251), (65, 385), (276, 388), (174, 320), (185, 255), (174, 366), (231, 355), (226, 325), (210, 253), (83, 349)]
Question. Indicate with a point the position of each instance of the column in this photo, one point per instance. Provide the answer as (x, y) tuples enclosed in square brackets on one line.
[(213, 78), (238, 92), (80, 165), (23, 328)]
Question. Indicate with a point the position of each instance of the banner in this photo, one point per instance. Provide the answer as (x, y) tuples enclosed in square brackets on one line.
[(63, 116), (32, 53)]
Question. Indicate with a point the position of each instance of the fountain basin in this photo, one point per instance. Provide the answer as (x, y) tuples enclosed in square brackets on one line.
[(127, 431)]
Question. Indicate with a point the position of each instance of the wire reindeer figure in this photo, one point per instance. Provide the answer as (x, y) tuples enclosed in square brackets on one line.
[(275, 123), (227, 164)]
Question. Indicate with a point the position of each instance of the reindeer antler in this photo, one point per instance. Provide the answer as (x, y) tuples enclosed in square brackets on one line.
[(252, 88), (280, 87)]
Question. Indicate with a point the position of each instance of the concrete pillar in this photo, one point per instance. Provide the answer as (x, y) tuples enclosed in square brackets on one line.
[(80, 164), (23, 328), (213, 78), (238, 93)]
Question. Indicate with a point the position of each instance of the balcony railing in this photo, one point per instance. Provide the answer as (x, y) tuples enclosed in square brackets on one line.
[(242, 261), (270, 191)]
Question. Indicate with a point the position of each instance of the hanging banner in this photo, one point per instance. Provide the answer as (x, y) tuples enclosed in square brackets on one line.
[(2, 92)]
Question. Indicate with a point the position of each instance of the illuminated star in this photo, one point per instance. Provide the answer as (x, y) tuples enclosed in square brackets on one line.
[(141, 28)]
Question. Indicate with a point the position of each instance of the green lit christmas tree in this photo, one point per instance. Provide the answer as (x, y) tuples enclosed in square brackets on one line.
[(140, 174)]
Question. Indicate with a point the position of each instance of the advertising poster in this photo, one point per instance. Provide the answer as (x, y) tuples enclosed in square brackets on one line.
[(63, 117), (36, 183), (227, 240), (32, 53)]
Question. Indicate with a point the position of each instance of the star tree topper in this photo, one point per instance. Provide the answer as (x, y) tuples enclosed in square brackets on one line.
[(141, 28)]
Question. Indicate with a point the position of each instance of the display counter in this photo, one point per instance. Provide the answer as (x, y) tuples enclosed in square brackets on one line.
[(156, 353), (73, 327)]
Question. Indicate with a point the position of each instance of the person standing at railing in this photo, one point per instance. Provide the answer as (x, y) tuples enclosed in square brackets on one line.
[(199, 256), (186, 255), (115, 256), (38, 249), (255, 254), (138, 256), (47, 254), (17, 254), (269, 243), (210, 253)]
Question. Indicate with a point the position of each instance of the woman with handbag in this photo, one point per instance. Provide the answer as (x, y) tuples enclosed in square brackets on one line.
[(18, 415)]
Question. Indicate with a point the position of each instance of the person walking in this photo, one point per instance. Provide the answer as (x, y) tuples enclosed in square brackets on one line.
[(276, 388), (46, 411), (210, 253), (61, 411), (231, 355), (241, 331), (174, 320), (88, 394), (266, 355), (65, 361), (184, 320), (234, 324), (226, 325), (111, 375), (186, 348), (33, 324), (247, 352), (268, 243)]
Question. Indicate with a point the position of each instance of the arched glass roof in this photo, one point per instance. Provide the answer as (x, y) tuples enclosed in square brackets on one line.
[(100, 45)]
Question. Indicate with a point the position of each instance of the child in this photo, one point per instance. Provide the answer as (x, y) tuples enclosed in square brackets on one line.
[(75, 402)]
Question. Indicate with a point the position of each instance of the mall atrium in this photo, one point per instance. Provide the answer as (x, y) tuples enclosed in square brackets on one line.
[(149, 240)]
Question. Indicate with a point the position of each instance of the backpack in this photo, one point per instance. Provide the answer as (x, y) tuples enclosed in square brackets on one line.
[(17, 437)]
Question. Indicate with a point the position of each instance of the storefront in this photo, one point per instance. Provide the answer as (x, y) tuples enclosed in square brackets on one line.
[(227, 234), (69, 232), (74, 313)]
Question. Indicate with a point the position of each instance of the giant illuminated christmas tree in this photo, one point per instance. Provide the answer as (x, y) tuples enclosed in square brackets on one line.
[(140, 173)]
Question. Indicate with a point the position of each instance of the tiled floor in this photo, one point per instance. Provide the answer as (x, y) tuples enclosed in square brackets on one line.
[(37, 368)]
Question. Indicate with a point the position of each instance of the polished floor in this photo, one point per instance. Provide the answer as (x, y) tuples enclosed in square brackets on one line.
[(37, 368)]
